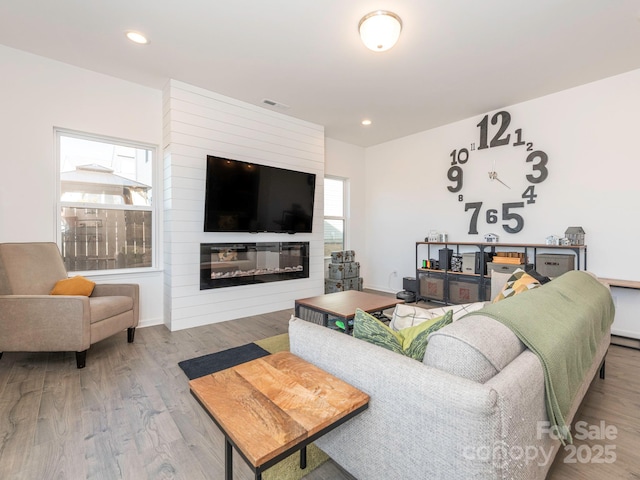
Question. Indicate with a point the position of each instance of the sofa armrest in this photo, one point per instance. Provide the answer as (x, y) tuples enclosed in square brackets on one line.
[(121, 289), (423, 415), (44, 323)]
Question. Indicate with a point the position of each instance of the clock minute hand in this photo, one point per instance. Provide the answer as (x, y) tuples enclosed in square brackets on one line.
[(494, 176)]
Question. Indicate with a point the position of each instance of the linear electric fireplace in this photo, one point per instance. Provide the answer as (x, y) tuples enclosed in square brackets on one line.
[(234, 264)]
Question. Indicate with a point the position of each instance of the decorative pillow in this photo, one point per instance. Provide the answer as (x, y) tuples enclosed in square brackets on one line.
[(408, 315), (74, 286), (411, 341), (539, 277), (520, 281)]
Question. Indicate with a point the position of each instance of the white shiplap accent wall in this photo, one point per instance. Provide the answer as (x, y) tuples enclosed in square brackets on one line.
[(198, 123)]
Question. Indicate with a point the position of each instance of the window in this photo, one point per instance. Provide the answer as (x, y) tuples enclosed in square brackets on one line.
[(334, 214), (106, 208)]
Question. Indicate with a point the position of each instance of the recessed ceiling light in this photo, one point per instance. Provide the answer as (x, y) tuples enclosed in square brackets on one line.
[(366, 122), (137, 37)]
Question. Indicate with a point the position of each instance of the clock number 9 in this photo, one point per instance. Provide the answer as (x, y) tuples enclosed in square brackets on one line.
[(540, 167), (455, 175)]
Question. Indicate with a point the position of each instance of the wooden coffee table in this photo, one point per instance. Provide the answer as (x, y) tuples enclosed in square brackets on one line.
[(343, 305), (273, 406)]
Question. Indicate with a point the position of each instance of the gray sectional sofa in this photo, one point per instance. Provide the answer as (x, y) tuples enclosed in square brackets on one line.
[(474, 408)]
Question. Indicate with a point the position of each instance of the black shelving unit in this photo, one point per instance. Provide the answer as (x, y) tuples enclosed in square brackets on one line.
[(435, 285)]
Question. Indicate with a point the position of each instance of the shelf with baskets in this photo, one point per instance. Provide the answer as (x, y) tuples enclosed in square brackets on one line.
[(466, 276)]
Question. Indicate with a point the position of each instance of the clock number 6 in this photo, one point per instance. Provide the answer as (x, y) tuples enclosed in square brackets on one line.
[(507, 215)]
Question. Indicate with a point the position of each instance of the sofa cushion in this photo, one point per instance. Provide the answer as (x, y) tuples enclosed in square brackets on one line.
[(411, 341), (409, 315), (74, 286), (105, 307), (475, 347)]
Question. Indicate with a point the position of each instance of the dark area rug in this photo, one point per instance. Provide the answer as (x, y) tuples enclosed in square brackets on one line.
[(213, 362)]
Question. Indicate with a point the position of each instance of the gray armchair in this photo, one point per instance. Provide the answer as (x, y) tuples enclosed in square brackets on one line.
[(32, 320)]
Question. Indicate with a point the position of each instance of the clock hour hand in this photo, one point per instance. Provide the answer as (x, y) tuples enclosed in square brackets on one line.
[(494, 176)]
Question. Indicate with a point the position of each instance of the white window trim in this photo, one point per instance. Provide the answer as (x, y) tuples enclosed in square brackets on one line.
[(156, 240), (345, 211)]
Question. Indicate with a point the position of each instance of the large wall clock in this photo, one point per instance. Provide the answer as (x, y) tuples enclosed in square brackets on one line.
[(497, 177)]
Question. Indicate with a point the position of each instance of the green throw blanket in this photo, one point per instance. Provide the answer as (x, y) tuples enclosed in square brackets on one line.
[(563, 323)]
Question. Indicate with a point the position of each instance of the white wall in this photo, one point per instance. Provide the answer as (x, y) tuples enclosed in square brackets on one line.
[(345, 160), (397, 189), (198, 123), (38, 94), (590, 135)]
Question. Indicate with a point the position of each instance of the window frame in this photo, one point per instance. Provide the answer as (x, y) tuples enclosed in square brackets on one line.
[(345, 212), (154, 208)]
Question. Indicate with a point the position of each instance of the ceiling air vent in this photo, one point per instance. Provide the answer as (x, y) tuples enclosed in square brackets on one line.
[(273, 103)]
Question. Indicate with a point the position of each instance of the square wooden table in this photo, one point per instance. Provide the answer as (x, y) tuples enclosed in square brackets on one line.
[(343, 305), (273, 406)]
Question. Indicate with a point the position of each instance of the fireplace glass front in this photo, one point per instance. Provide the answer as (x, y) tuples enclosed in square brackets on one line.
[(234, 264)]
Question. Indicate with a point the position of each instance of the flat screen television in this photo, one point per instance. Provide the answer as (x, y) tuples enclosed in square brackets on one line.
[(247, 197)]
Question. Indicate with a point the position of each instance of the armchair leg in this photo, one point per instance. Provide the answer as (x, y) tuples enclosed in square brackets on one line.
[(81, 358), (131, 332), (602, 369), (1, 354)]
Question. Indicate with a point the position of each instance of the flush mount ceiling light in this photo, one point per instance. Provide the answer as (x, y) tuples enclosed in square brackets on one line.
[(380, 30), (137, 37)]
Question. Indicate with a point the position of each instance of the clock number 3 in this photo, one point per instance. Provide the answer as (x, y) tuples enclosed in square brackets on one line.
[(540, 166)]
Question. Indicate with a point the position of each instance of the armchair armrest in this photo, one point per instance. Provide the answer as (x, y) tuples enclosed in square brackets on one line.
[(41, 323), (121, 289)]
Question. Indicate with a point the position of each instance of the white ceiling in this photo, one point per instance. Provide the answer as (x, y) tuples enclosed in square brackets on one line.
[(455, 58)]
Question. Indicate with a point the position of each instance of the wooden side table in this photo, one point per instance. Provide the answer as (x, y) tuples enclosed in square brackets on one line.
[(273, 406)]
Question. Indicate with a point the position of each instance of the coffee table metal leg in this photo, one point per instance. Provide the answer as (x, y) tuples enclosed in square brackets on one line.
[(228, 460), (303, 457)]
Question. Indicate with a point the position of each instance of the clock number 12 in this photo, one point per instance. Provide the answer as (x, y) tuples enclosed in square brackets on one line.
[(499, 138)]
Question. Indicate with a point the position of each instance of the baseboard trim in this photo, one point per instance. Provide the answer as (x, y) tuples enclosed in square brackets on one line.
[(150, 322), (625, 342)]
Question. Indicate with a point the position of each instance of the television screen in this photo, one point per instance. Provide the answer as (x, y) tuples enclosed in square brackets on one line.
[(247, 197)]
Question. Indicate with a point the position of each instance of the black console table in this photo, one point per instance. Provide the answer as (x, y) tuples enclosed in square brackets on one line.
[(444, 285)]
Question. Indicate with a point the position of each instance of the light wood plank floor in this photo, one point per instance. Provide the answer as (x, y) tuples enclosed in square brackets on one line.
[(129, 413)]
